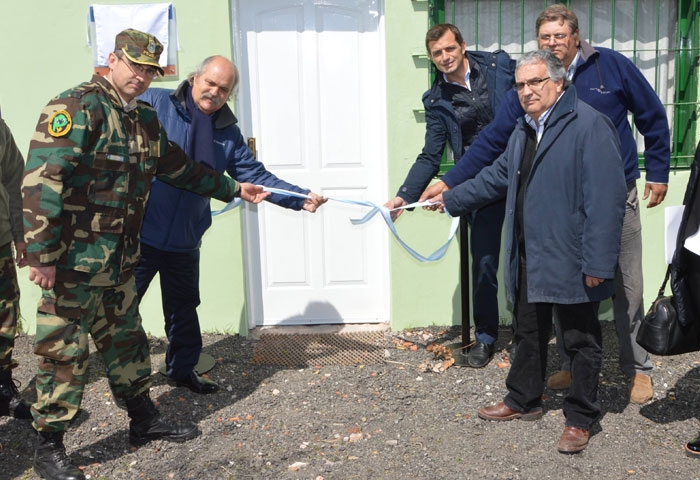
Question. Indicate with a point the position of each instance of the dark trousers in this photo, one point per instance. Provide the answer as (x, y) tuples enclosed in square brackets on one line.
[(583, 340), (485, 245), (179, 285)]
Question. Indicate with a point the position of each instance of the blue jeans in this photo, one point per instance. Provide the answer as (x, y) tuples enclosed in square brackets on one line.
[(179, 285), (485, 244)]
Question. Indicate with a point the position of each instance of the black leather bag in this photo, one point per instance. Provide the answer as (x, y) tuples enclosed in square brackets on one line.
[(661, 332), (672, 324)]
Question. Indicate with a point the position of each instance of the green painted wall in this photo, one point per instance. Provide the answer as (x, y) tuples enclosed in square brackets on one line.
[(45, 52), (422, 293)]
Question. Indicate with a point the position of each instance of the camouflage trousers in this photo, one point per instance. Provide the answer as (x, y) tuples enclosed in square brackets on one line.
[(9, 306), (65, 317)]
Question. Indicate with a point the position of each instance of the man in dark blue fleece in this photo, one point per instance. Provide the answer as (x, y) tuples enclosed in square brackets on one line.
[(197, 118)]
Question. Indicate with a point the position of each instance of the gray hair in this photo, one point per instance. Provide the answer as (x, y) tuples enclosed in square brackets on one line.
[(555, 68), (201, 68)]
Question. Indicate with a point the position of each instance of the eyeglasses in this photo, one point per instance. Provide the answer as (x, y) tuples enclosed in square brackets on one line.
[(558, 37), (532, 83), (140, 70)]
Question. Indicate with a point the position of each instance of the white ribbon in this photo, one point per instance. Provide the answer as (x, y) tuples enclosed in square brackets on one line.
[(236, 202), (375, 209)]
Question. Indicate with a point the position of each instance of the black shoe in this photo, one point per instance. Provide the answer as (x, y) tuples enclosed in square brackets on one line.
[(197, 383), (480, 355), (51, 461), (512, 349), (692, 448), (147, 424), (11, 403)]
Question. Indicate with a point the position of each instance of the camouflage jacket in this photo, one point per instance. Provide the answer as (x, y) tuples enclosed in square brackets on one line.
[(87, 180), (11, 169)]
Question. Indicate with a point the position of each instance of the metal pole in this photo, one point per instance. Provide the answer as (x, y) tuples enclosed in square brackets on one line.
[(459, 350)]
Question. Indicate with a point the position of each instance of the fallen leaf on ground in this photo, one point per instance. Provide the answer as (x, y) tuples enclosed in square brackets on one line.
[(296, 466)]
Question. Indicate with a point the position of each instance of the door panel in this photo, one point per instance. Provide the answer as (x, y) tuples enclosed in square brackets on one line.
[(312, 94)]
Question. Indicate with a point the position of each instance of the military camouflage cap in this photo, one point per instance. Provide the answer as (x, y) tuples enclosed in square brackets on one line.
[(139, 47)]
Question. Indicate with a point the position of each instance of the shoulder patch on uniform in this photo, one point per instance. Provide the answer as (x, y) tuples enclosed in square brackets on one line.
[(60, 123)]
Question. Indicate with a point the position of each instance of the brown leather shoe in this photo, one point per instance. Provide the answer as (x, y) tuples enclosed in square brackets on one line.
[(560, 380), (502, 412), (641, 390), (573, 440)]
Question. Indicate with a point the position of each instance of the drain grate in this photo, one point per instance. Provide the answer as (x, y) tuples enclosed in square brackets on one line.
[(300, 350)]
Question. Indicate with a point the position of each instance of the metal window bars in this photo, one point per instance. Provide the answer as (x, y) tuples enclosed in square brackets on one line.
[(661, 38)]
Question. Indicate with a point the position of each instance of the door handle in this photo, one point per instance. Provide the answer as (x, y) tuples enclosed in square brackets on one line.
[(252, 146)]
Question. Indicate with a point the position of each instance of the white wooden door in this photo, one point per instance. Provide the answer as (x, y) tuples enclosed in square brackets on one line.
[(312, 95)]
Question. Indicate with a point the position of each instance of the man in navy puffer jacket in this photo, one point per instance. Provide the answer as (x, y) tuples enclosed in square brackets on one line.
[(197, 118), (467, 90)]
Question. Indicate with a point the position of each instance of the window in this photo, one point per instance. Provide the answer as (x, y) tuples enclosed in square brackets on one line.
[(659, 37)]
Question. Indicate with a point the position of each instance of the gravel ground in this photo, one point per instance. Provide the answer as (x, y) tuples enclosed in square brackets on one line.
[(392, 420)]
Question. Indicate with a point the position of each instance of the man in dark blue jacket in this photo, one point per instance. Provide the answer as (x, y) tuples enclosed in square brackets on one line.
[(197, 118), (613, 85), (462, 100), (565, 192)]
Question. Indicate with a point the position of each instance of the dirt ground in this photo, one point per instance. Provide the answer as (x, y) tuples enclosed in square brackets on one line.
[(391, 420)]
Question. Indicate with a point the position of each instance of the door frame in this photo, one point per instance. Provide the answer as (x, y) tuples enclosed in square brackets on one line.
[(249, 213)]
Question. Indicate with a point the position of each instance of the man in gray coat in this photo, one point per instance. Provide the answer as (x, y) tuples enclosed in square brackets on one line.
[(563, 180)]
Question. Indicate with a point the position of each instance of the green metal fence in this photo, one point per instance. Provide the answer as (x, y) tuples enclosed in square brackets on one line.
[(660, 37)]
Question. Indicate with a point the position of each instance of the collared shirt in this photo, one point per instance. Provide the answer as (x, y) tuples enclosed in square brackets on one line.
[(128, 106), (538, 125), (574, 64), (466, 79)]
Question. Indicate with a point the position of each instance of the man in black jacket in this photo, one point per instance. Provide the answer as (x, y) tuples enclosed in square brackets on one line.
[(462, 100)]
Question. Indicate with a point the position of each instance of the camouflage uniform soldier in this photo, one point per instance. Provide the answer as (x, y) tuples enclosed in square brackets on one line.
[(11, 169), (90, 166)]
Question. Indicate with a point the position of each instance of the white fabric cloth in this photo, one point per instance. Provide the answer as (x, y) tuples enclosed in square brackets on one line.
[(112, 19), (672, 218)]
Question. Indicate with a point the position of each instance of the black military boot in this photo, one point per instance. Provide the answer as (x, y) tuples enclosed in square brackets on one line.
[(51, 461), (147, 424), (11, 403)]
